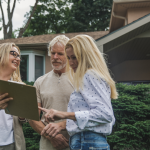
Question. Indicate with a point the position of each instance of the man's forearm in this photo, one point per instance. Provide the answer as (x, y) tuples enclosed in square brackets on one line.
[(37, 126)]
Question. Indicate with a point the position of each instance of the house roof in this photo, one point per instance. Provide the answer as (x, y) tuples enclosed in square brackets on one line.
[(120, 8), (41, 41), (134, 27), (130, 42)]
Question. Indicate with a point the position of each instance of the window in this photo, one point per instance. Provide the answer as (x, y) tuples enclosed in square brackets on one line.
[(32, 65), (24, 67), (39, 70)]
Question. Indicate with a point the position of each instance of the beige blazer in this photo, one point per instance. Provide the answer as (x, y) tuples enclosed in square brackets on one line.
[(18, 134)]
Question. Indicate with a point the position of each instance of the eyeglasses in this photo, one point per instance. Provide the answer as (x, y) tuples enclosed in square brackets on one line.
[(15, 54)]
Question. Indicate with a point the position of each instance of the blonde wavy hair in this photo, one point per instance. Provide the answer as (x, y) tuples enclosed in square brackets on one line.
[(60, 39), (5, 49), (88, 57)]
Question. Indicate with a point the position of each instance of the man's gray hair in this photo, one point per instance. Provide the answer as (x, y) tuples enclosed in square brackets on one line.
[(60, 38)]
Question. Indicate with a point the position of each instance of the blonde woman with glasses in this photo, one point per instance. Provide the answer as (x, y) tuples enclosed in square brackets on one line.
[(11, 134), (90, 116)]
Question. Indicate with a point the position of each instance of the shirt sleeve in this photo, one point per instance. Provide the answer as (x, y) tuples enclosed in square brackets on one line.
[(37, 86), (96, 93)]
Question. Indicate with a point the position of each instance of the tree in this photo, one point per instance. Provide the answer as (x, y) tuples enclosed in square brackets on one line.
[(89, 15), (50, 17), (64, 16), (7, 27)]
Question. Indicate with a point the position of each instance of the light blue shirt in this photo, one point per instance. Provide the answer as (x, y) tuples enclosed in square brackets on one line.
[(92, 106)]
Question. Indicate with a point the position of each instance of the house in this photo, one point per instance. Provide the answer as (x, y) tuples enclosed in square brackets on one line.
[(127, 46), (34, 52)]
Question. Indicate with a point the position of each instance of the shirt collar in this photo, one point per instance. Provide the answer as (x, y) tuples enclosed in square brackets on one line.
[(56, 74)]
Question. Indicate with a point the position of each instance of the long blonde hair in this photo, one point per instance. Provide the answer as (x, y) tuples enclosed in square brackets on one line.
[(88, 57), (5, 49)]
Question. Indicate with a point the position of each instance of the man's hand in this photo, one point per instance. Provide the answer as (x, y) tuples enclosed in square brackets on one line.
[(59, 142), (52, 129), (4, 100)]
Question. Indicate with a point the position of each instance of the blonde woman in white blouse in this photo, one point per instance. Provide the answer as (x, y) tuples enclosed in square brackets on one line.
[(90, 115), (11, 133)]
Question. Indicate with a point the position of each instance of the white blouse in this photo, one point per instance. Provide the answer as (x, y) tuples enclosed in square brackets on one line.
[(92, 106), (6, 128)]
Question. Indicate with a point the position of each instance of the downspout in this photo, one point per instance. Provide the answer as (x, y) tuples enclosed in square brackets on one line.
[(120, 17)]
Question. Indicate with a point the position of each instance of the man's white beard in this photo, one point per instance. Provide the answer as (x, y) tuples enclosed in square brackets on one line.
[(60, 67)]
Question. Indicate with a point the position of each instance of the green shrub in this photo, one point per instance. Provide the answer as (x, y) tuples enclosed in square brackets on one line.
[(31, 137), (29, 83), (132, 113)]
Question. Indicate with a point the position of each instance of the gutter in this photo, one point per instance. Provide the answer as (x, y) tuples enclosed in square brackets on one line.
[(120, 17), (130, 1)]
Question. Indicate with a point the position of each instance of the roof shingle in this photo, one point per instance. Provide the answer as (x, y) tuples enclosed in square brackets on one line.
[(48, 37)]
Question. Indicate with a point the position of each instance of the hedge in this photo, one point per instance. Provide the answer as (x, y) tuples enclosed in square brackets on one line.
[(32, 138), (132, 127), (132, 113)]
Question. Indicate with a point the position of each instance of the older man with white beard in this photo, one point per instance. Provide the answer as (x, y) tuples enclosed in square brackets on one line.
[(53, 91)]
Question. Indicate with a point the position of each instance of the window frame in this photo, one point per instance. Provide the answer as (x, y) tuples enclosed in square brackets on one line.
[(31, 62)]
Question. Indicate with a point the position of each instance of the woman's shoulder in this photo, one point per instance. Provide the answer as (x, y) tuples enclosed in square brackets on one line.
[(90, 77), (93, 76)]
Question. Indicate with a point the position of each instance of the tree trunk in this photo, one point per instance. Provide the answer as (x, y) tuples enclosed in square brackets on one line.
[(7, 35), (7, 28), (22, 30), (5, 32), (10, 30)]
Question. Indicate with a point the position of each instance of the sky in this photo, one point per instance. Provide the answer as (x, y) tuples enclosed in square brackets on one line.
[(20, 10)]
